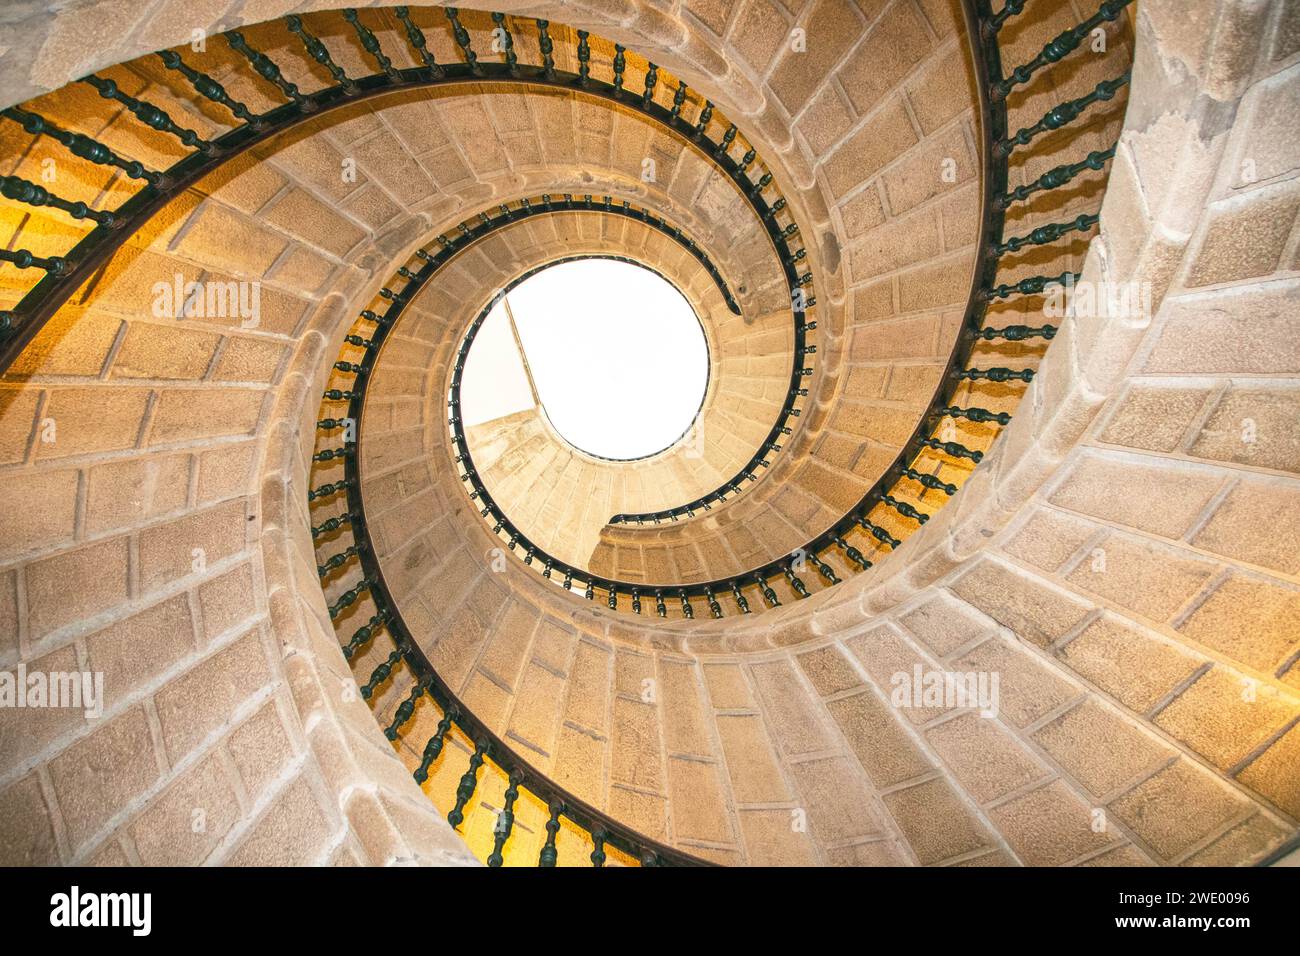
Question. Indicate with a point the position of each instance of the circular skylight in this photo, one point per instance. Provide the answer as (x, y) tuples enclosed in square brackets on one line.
[(612, 354)]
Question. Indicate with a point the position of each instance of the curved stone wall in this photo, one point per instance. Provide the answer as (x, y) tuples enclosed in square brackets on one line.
[(1135, 688), (1157, 685)]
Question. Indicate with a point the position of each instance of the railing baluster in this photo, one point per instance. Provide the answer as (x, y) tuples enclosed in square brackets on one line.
[(149, 114), (462, 40), (364, 634), (434, 746), (852, 553), (340, 559), (930, 481), (333, 524), (995, 375), (20, 190), (954, 449), (381, 673), (879, 533), (620, 64), (598, 842), (547, 48), (81, 146), (1017, 333), (320, 53), (1009, 9), (507, 43), (796, 583), (714, 607), (549, 854), (370, 43), (405, 709), (679, 99), (1056, 178), (468, 784), (706, 114), (207, 87), (1061, 116), (1045, 234), (1030, 286), (349, 597), (330, 488), (651, 78), (975, 414), (505, 820), (263, 65), (584, 58), (24, 259), (741, 601), (824, 569), (904, 509), (415, 36), (1058, 48)]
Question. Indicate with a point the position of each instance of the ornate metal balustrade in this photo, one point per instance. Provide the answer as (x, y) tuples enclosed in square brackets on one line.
[(63, 274), (678, 109), (996, 148), (603, 831)]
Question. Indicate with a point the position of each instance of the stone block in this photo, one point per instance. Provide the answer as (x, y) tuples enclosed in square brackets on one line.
[(1233, 529), (190, 544), (536, 713), (1253, 426), (828, 670), (1149, 578), (635, 750), (1176, 808), (183, 824), (102, 772), (1154, 418), (699, 804), (773, 839), (1049, 826), (1250, 619), (790, 709), (878, 740), (935, 822), (193, 705), (1027, 689), (1224, 716), (1273, 773), (1137, 667), (1100, 748), (26, 830), (1160, 499), (84, 421), (839, 806), (1036, 612), (136, 650), (294, 831), (76, 585), (988, 762)]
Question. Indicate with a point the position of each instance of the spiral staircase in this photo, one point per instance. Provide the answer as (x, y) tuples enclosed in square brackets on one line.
[(1000, 308)]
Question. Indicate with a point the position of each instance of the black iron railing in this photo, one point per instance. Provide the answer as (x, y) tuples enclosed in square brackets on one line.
[(680, 110), (602, 830), (65, 273), (996, 147)]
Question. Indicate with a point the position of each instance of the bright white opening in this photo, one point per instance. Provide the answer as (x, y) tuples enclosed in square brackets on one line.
[(612, 353)]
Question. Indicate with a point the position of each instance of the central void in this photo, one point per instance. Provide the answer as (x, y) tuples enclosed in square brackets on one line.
[(611, 353)]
